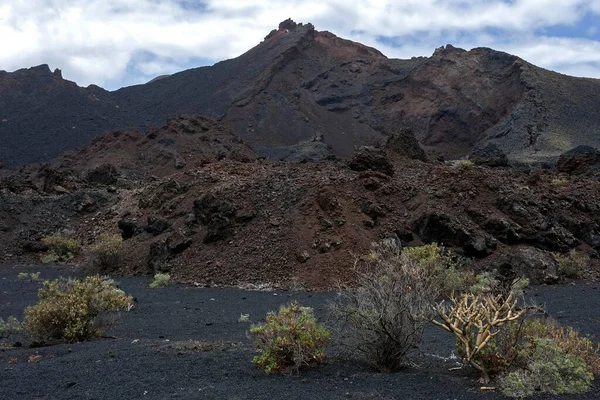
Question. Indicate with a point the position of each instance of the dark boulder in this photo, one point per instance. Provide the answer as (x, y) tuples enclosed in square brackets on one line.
[(217, 215), (447, 231), (370, 158), (579, 160), (403, 142), (156, 226), (489, 156), (537, 265), (105, 174)]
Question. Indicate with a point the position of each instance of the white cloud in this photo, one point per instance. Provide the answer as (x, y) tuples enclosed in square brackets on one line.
[(98, 41)]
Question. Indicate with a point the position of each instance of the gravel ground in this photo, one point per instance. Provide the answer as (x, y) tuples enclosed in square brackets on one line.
[(150, 356)]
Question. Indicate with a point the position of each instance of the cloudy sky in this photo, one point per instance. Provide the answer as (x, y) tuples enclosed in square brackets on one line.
[(115, 43)]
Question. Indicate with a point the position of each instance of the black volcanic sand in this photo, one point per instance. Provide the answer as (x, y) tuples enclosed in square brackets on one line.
[(148, 359)]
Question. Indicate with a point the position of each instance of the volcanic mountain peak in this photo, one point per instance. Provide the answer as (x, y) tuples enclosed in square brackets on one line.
[(300, 84)]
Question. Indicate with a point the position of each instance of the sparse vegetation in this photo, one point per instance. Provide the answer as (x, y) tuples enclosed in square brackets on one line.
[(464, 164), (69, 310), (108, 252), (60, 248), (9, 327), (160, 280), (244, 318), (34, 276), (289, 340), (548, 370), (437, 263), (573, 265), (383, 318), (559, 181)]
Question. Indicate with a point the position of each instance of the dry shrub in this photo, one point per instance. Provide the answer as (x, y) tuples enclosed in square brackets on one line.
[(108, 252), (384, 316), (69, 310), (289, 340), (60, 248), (160, 280), (573, 265)]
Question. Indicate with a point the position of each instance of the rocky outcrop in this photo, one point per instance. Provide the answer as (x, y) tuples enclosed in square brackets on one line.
[(370, 158), (579, 160), (489, 156)]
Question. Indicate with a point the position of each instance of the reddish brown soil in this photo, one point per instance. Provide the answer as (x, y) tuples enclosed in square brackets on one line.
[(288, 224)]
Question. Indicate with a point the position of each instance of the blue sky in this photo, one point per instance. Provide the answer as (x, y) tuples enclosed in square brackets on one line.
[(115, 43)]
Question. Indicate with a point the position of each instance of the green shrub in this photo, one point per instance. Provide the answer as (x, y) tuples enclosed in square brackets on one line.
[(438, 264), (573, 265), (60, 248), (549, 370), (559, 182), (70, 310), (9, 327), (490, 282), (160, 280), (34, 276), (568, 339), (384, 316), (463, 164), (289, 339), (108, 252)]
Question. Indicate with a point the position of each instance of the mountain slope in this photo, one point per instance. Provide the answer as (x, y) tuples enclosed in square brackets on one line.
[(302, 93)]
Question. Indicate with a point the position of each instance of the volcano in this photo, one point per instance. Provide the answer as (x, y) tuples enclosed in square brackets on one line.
[(304, 94)]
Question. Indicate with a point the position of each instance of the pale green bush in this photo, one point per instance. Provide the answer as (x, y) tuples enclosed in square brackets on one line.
[(160, 280), (69, 310), (289, 340)]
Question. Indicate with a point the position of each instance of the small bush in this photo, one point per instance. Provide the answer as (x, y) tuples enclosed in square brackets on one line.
[(108, 252), (160, 280), (34, 276), (491, 282), (384, 317), (559, 182), (463, 164), (436, 263), (549, 370), (9, 327), (289, 340), (573, 265), (69, 310), (568, 339), (60, 248)]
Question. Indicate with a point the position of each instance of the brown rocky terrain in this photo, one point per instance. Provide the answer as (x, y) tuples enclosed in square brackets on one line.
[(304, 94), (191, 198)]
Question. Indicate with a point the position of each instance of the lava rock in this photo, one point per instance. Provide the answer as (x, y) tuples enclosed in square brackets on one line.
[(579, 160), (105, 174), (156, 226), (370, 158), (217, 215), (489, 156)]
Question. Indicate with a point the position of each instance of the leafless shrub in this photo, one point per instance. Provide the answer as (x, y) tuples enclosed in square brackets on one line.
[(383, 318)]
